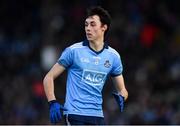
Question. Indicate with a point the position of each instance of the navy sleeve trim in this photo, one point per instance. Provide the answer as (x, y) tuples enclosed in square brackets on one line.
[(115, 75), (61, 62)]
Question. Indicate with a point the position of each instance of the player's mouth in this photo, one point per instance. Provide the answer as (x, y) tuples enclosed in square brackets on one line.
[(88, 34)]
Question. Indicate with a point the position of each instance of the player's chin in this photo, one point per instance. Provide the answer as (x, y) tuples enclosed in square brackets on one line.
[(89, 38)]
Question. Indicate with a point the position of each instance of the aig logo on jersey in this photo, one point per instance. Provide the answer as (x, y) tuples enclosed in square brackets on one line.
[(93, 77), (107, 64)]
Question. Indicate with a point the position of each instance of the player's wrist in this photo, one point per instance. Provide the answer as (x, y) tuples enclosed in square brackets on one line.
[(121, 95), (118, 93), (52, 101)]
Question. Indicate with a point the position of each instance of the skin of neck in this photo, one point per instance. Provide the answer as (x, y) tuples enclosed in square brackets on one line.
[(97, 45)]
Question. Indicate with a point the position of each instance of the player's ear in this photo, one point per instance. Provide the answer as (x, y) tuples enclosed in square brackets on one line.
[(104, 27)]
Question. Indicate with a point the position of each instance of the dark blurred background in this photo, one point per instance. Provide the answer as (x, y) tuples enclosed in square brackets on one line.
[(146, 33)]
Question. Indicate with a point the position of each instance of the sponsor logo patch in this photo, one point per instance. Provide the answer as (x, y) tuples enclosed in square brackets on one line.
[(93, 77)]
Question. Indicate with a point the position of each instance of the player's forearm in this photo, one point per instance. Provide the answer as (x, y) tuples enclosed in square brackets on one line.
[(48, 83), (120, 86), (122, 90)]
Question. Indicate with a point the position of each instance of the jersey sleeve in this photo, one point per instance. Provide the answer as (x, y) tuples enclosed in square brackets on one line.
[(66, 58), (117, 67)]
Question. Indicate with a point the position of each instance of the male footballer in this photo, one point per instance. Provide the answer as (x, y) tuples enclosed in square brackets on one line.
[(88, 63)]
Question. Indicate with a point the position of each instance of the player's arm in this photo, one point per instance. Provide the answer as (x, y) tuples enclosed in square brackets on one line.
[(118, 81), (48, 81)]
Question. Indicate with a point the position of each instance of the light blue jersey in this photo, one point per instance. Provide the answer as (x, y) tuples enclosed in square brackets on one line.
[(87, 73)]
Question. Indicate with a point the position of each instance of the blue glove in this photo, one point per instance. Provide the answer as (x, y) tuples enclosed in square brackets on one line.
[(55, 111), (120, 100)]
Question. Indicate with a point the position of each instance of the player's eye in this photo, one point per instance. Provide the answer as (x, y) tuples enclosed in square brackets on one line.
[(86, 24), (93, 24)]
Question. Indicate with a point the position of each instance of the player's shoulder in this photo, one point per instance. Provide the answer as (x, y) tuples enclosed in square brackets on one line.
[(76, 45), (112, 51)]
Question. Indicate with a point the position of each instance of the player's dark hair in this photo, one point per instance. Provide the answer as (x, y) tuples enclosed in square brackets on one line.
[(103, 14)]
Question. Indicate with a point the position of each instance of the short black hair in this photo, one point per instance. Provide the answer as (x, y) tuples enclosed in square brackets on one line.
[(103, 14)]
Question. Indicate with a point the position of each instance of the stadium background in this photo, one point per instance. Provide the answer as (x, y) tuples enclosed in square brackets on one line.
[(146, 33)]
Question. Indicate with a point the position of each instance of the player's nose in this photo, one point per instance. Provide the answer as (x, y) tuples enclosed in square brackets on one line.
[(88, 27)]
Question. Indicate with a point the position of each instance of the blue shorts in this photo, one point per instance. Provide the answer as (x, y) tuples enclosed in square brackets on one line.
[(83, 120)]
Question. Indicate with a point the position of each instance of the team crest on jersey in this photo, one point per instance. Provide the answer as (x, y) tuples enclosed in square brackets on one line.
[(107, 64)]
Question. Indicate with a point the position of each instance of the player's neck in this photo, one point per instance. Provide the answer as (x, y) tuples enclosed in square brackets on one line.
[(97, 45)]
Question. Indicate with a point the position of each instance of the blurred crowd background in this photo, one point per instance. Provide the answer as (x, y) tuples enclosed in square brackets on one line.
[(146, 33)]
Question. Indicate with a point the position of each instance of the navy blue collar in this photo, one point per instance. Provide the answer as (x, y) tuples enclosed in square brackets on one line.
[(86, 43)]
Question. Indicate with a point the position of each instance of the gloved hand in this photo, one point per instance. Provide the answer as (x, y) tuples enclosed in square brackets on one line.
[(120, 100), (55, 111)]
